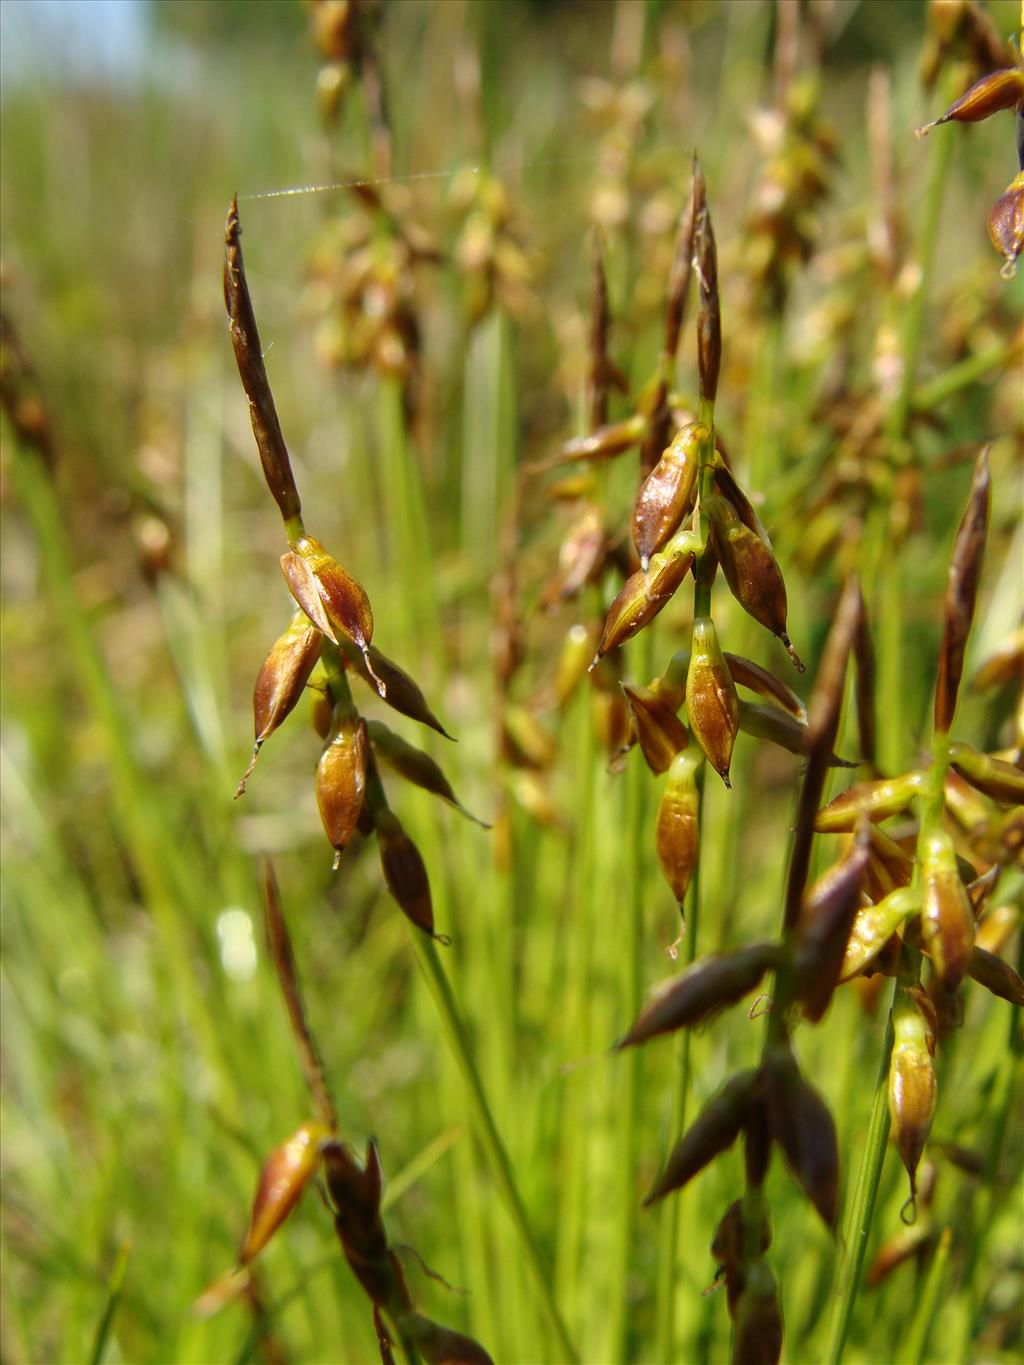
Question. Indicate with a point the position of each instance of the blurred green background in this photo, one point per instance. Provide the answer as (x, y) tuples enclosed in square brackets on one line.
[(147, 1063)]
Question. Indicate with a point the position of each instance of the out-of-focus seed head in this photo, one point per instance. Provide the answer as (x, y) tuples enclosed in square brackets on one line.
[(405, 872), (341, 777), (873, 928), (712, 706), (576, 652), (286, 1173), (676, 831), (641, 598), (996, 976), (312, 573), (580, 557), (709, 985), (947, 921), (715, 1129), (823, 930), (281, 681), (995, 92), (897, 1250), (876, 800), (1006, 225), (659, 731), (731, 1238), (603, 444), (757, 1336), (961, 595), (440, 1345), (666, 495), (802, 1126), (912, 1088), (750, 569)]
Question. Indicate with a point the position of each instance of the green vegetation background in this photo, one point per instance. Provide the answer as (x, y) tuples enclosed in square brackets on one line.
[(145, 1076)]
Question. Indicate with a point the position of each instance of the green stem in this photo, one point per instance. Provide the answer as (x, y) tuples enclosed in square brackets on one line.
[(490, 1139), (962, 375), (863, 1206), (928, 1302)]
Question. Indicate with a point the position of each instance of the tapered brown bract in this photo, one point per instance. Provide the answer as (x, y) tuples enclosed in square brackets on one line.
[(709, 316), (659, 731), (1002, 781), (666, 495), (995, 92), (401, 692), (712, 706), (603, 444), (715, 1128), (286, 1173), (440, 1345), (284, 675), (802, 1126), (823, 930), (341, 778), (249, 355), (750, 568), (961, 595), (414, 765), (995, 975), (404, 871), (757, 1336), (779, 727), (709, 985), (746, 673)]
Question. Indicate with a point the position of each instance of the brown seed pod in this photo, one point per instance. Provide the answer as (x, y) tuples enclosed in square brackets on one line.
[(659, 731), (702, 990), (715, 1129), (666, 495), (995, 975), (712, 706), (912, 1089), (874, 926), (1002, 781), (750, 569), (332, 599), (676, 833), (341, 777), (641, 598), (802, 1126), (405, 872), (961, 595), (947, 921), (401, 692), (285, 1174), (415, 766), (995, 92), (281, 681), (877, 800)]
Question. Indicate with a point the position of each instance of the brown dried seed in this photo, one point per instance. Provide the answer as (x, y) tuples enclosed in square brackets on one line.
[(440, 1345), (961, 595), (285, 1174), (666, 495), (1006, 225), (712, 706), (995, 975), (343, 600), (281, 681), (995, 92), (750, 569), (802, 1126), (404, 871), (709, 985), (677, 836), (580, 557), (641, 598), (947, 922), (912, 1088), (341, 778), (715, 1129), (401, 692)]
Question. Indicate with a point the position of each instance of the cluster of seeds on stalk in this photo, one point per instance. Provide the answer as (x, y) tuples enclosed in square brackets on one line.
[(328, 638)]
